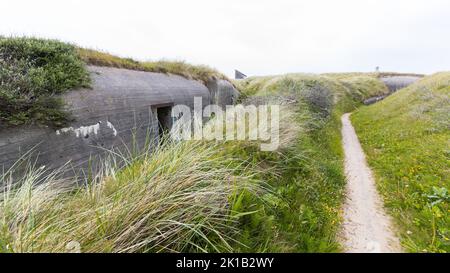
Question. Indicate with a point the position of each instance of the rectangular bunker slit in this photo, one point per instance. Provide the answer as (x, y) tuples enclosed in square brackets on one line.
[(165, 121)]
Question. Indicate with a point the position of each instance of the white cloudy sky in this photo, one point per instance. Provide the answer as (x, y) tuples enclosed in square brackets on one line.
[(256, 36)]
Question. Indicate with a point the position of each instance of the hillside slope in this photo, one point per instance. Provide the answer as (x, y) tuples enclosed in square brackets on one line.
[(306, 214), (204, 196), (406, 138)]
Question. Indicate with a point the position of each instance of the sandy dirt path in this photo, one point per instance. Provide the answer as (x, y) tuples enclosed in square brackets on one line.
[(366, 226)]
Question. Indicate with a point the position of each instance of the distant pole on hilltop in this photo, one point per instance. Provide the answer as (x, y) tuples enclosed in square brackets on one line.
[(238, 75)]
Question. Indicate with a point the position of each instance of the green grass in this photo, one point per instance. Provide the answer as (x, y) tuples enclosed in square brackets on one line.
[(228, 196), (301, 214), (307, 180), (175, 199), (182, 197), (202, 196), (406, 138)]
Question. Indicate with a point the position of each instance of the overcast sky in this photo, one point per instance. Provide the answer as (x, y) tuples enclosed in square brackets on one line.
[(258, 37)]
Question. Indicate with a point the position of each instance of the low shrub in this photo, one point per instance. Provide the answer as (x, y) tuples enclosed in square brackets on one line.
[(32, 73)]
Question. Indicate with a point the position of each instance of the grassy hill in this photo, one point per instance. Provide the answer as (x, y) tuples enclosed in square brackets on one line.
[(407, 139), (305, 216), (205, 196)]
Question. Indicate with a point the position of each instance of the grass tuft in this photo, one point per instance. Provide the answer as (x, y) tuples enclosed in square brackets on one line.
[(175, 199)]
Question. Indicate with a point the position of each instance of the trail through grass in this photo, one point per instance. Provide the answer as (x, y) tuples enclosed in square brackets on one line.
[(305, 213), (205, 196)]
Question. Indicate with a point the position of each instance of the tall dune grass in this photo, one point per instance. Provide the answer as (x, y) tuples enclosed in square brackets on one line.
[(180, 197), (200, 196), (174, 199)]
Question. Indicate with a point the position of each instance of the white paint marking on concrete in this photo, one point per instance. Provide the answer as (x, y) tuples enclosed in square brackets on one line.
[(366, 227), (111, 126), (85, 131)]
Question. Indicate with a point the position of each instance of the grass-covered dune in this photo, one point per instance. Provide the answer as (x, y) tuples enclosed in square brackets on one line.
[(204, 196), (33, 72), (305, 214), (171, 200), (407, 139)]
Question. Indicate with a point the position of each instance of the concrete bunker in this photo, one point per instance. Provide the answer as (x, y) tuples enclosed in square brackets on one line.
[(124, 109), (164, 116), (222, 92), (395, 83)]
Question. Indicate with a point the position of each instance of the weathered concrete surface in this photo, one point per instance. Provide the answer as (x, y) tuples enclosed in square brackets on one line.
[(373, 100), (395, 83), (119, 111), (222, 92)]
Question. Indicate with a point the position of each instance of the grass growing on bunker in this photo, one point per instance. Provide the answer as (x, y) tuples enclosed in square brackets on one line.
[(201, 73), (204, 196), (35, 72), (32, 73), (196, 196), (406, 138)]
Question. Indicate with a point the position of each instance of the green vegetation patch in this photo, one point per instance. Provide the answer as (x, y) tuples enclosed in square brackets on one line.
[(202, 196), (172, 199), (302, 211), (32, 72), (406, 138)]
